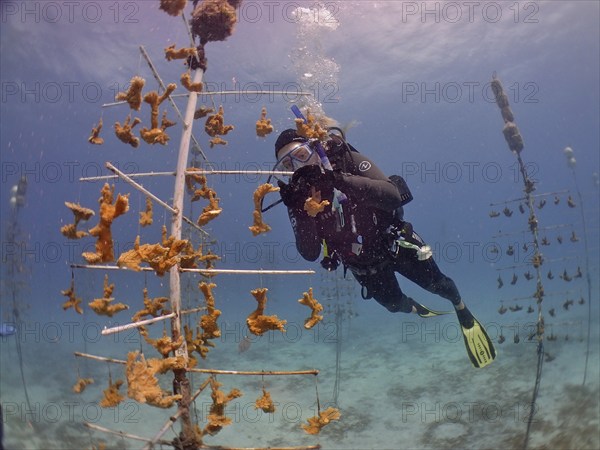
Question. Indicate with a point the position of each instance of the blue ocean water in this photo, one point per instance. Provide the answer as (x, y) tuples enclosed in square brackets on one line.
[(410, 81)]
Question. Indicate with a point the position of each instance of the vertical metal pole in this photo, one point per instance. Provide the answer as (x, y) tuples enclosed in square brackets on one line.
[(181, 384)]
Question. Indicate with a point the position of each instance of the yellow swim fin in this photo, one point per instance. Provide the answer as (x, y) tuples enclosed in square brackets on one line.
[(479, 346)]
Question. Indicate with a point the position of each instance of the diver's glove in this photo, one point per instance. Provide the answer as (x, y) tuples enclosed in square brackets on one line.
[(291, 196), (298, 190)]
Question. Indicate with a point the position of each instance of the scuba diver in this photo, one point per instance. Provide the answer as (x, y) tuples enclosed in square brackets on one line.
[(363, 228)]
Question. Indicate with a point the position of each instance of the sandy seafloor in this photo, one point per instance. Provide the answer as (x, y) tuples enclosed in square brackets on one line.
[(404, 383)]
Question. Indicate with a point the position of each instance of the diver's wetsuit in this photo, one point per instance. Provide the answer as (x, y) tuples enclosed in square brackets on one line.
[(372, 202)]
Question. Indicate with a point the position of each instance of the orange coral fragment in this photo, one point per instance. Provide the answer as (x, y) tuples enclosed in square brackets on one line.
[(156, 134), (133, 95), (146, 217), (73, 301), (142, 385), (173, 7), (125, 132), (108, 213), (213, 20), (217, 140), (259, 226), (112, 396), (81, 384), (257, 322), (165, 344), (160, 257), (186, 82), (311, 129), (208, 322), (183, 53), (263, 125), (313, 205), (80, 213), (203, 111), (325, 417), (197, 344), (164, 365), (152, 307), (210, 211), (265, 403), (103, 306), (216, 417), (315, 307), (215, 128), (94, 136)]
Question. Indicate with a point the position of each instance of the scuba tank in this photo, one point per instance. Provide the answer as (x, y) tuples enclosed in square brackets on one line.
[(405, 195)]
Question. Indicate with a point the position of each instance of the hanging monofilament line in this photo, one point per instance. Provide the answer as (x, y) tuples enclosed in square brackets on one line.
[(515, 143), (13, 268), (571, 161)]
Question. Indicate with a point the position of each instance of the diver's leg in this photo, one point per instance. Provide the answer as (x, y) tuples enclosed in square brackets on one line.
[(384, 288), (426, 274)]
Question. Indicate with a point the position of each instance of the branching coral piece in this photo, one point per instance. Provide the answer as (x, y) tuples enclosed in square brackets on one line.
[(325, 417), (215, 124), (315, 307), (103, 306), (80, 213), (73, 301), (197, 344), (203, 111), (263, 125), (143, 386), (173, 7), (312, 129), (81, 384), (208, 321), (209, 258), (183, 53), (259, 226), (108, 213), (216, 417), (215, 127), (186, 82), (152, 307), (313, 205), (154, 100), (94, 136), (213, 20), (217, 140), (257, 322), (112, 396), (164, 365), (157, 134), (164, 345), (265, 403), (210, 211), (146, 217), (160, 257), (192, 178), (133, 95), (125, 132)]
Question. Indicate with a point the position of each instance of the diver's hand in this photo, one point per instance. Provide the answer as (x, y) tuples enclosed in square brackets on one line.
[(291, 194), (309, 175)]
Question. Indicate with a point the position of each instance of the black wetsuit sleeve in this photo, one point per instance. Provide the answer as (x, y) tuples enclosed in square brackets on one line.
[(367, 184), (308, 242)]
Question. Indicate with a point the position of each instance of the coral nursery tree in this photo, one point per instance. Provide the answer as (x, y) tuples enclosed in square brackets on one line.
[(212, 20)]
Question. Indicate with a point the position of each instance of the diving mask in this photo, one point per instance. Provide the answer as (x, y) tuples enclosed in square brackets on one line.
[(296, 155)]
